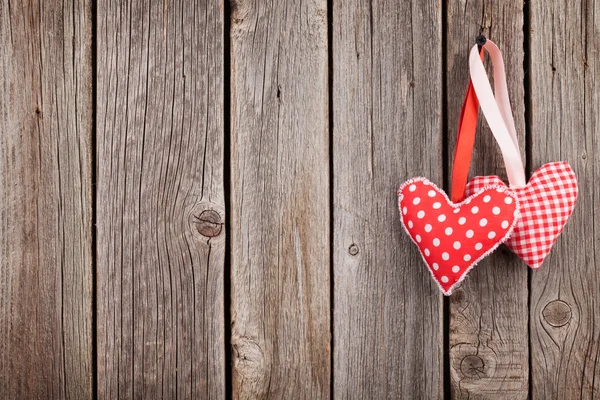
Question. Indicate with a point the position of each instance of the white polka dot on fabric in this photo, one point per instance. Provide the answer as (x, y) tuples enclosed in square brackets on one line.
[(448, 231), (431, 193), (435, 266), (491, 235), (475, 210), (456, 210), (478, 246), (436, 242), (404, 211), (421, 214), (442, 218), (416, 200), (456, 245), (470, 233), (428, 228), (467, 257), (410, 224), (427, 253), (508, 200), (445, 279), (412, 188), (504, 224), (418, 237), (455, 269), (487, 198), (462, 220), (496, 210), (483, 222), (445, 256), (437, 205)]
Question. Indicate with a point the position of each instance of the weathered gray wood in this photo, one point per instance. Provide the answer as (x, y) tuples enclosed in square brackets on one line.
[(280, 215), (387, 103), (488, 312), (565, 66), (160, 203), (45, 200)]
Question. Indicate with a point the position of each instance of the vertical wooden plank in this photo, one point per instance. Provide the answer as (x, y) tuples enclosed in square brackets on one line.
[(280, 200), (45, 200), (565, 65), (387, 111), (160, 200), (489, 355)]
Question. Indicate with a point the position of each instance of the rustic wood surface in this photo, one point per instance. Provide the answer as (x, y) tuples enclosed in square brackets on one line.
[(160, 200), (198, 200), (45, 200), (488, 312), (387, 127), (280, 217), (564, 314)]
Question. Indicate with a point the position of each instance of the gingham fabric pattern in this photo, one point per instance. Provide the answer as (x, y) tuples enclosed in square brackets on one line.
[(546, 202)]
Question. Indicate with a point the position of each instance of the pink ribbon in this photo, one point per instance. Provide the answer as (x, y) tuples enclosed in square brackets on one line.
[(497, 111)]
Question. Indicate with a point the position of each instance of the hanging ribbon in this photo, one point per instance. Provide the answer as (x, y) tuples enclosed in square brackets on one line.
[(467, 127), (497, 111)]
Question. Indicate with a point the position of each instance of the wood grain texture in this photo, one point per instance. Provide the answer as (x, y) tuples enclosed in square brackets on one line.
[(280, 200), (565, 66), (488, 313), (387, 111), (45, 200), (161, 241)]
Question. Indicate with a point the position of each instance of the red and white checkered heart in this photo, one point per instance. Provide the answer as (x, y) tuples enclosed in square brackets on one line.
[(452, 238), (546, 203)]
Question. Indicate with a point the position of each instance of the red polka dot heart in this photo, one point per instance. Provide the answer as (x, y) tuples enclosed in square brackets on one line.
[(452, 238)]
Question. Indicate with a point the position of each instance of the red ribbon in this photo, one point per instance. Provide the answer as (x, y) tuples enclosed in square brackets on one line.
[(467, 127)]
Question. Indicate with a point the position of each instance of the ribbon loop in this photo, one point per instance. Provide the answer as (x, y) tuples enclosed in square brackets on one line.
[(497, 111)]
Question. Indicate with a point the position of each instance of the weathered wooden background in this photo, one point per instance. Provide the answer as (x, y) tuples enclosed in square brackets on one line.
[(197, 200)]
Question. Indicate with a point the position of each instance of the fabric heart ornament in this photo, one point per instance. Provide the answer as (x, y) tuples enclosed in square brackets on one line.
[(548, 199), (547, 202), (451, 237)]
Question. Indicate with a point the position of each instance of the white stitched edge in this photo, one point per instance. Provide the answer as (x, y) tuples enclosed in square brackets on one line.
[(426, 181)]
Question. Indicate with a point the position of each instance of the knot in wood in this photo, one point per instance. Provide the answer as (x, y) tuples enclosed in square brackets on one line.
[(248, 358), (458, 296), (239, 9), (472, 366), (557, 313), (209, 223), (353, 249)]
